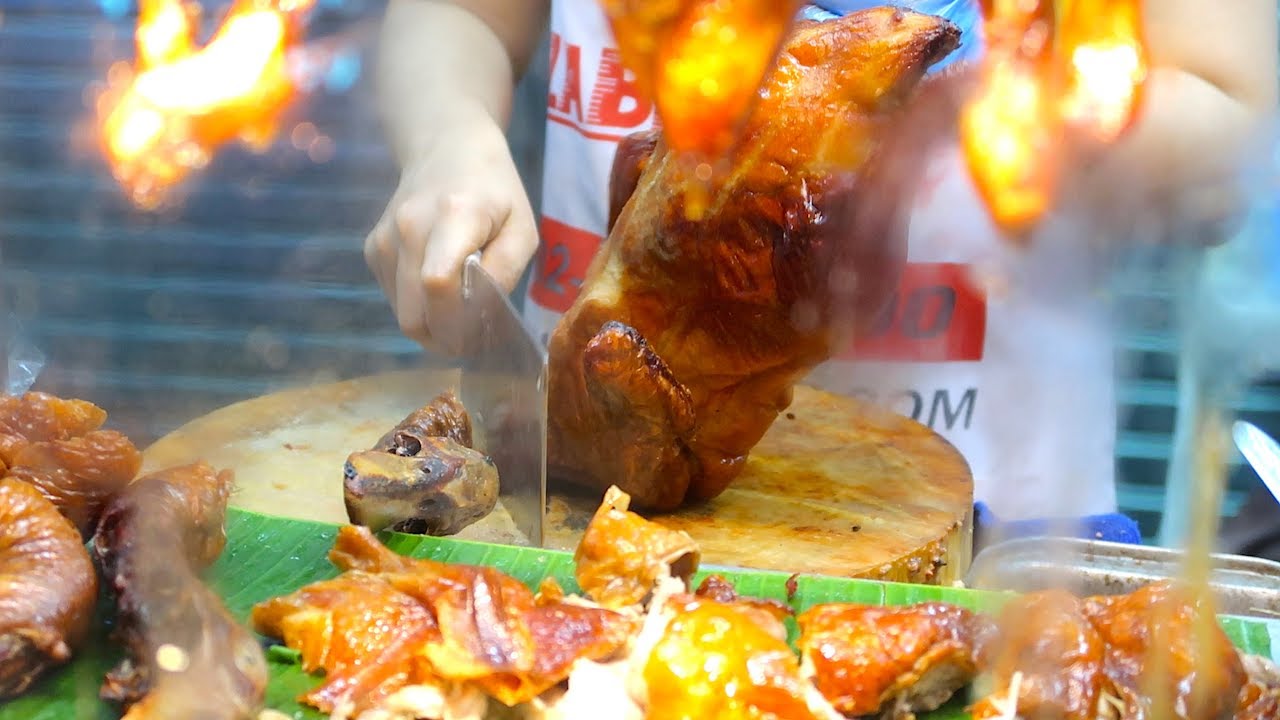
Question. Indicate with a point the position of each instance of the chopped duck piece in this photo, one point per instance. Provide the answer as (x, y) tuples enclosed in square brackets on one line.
[(423, 476), (38, 417), (700, 61), (622, 557), (455, 625), (715, 587), (717, 660), (48, 587), (1151, 642), (1258, 702), (868, 659), (363, 633), (187, 657), (1047, 662), (689, 334)]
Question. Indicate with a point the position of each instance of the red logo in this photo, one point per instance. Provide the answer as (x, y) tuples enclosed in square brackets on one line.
[(615, 105), (938, 315), (562, 263)]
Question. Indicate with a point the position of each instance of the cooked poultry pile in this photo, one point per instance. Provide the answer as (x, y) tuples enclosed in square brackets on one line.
[(392, 632), (400, 639), (1123, 657), (423, 476), (689, 334), (66, 481), (867, 660)]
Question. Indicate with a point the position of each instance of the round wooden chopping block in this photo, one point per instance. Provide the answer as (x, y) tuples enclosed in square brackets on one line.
[(836, 487)]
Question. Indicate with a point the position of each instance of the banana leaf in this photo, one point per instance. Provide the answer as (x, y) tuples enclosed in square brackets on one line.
[(269, 556)]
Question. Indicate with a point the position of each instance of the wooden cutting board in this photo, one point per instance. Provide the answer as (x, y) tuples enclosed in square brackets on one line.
[(836, 486)]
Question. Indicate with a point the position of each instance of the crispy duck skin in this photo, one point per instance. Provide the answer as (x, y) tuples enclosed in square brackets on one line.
[(360, 631), (453, 624), (689, 335), (1155, 627), (622, 556), (1057, 655), (48, 587), (187, 657), (868, 660)]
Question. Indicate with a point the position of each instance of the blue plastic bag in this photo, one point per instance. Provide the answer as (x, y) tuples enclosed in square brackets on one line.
[(964, 13)]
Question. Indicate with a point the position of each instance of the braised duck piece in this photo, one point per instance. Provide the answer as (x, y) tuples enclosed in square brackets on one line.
[(48, 587), (1151, 640), (423, 476), (1047, 663), (472, 629), (891, 661), (79, 474), (186, 656), (39, 417), (700, 61), (622, 558), (689, 335), (440, 490), (56, 446)]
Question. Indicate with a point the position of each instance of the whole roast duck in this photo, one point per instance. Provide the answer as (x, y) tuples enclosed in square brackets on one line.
[(694, 323)]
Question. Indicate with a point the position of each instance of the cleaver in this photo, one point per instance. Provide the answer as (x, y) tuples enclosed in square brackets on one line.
[(504, 389)]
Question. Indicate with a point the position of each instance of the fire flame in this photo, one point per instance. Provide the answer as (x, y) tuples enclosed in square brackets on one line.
[(701, 61), (167, 115), (1052, 69)]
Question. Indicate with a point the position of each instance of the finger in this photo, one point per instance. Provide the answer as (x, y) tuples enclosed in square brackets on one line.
[(380, 257), (410, 302), (460, 231), (508, 254)]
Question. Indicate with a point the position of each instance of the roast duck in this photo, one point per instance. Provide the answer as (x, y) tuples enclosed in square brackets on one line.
[(693, 325)]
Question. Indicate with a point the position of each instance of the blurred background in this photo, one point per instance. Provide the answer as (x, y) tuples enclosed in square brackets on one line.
[(257, 282)]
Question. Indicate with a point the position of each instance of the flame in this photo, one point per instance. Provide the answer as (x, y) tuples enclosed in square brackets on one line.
[(1052, 69), (701, 61), (166, 116)]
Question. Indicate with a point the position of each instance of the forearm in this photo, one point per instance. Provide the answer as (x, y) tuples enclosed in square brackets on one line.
[(441, 65)]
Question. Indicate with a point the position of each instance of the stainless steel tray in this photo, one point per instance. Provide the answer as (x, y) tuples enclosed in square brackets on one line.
[(1245, 586)]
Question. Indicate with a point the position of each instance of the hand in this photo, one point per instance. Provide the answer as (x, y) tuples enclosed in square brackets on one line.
[(460, 195)]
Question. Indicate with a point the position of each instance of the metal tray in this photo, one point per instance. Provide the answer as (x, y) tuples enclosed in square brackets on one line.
[(1245, 586)]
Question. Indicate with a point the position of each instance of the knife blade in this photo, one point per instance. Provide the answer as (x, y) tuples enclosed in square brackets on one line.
[(1261, 451), (504, 389)]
